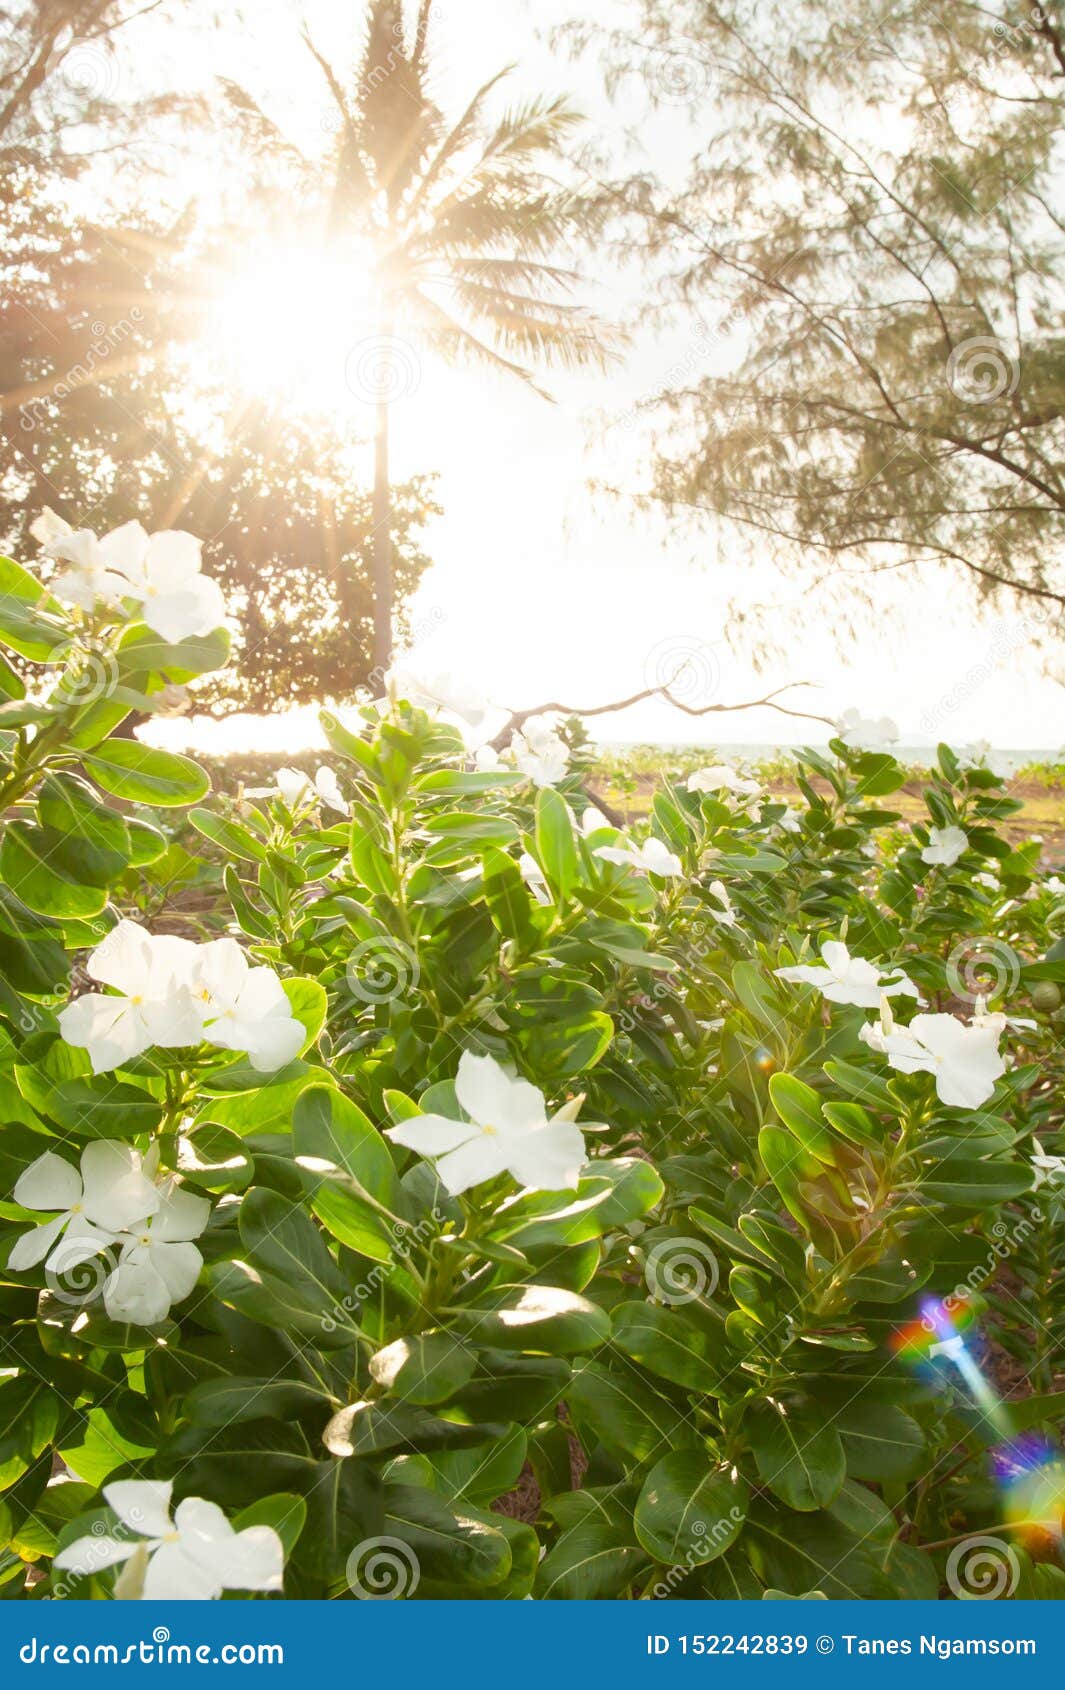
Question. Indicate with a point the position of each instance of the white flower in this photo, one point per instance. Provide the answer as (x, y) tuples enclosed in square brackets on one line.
[(722, 777), (92, 1208), (1049, 1170), (175, 993), (156, 1007), (984, 1017), (508, 1132), (296, 789), (193, 1557), (652, 857), (790, 821), (990, 881), (592, 820), (1054, 885), (965, 1060), (540, 752), (842, 978), (726, 915), (534, 878), (89, 580), (945, 845), (981, 756), (160, 571), (437, 692), (487, 760), (158, 1264), (245, 1008), (864, 733)]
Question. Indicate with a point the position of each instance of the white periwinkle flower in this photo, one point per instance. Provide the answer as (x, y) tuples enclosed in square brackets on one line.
[(156, 1005), (508, 1131), (193, 1557), (90, 1208), (965, 1060), (865, 733), (158, 1263), (297, 789), (981, 756), (722, 777), (652, 857), (1048, 1170), (534, 877), (945, 846), (245, 1008), (790, 821), (173, 994), (162, 572), (436, 692), (726, 915), (842, 978), (540, 752)]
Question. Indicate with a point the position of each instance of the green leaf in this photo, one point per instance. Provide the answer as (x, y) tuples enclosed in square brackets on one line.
[(594, 1560), (881, 1442), (535, 1317), (458, 1550), (144, 775), (47, 870), (425, 1369), (30, 618), (237, 840), (628, 1416), (224, 1402), (141, 650), (689, 1510), (556, 847), (799, 1107), (674, 1344), (384, 1428), (363, 1206), (799, 1456), (281, 1240)]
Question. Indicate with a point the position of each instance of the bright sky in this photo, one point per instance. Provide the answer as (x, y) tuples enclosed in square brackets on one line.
[(542, 591)]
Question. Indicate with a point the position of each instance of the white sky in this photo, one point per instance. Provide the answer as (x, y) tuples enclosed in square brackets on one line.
[(540, 590)]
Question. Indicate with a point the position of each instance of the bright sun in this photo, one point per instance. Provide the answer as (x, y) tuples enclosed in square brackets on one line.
[(299, 327)]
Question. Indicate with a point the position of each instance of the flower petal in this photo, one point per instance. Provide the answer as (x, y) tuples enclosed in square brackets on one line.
[(550, 1158), (178, 1266), (173, 558), (480, 1158), (492, 1097), (431, 1135), (136, 1293), (48, 1183), (87, 1555), (33, 1246), (111, 1029), (173, 1576), (142, 1505), (117, 1191), (181, 1216)]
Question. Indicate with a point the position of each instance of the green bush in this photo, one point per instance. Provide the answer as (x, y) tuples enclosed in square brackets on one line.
[(480, 1152)]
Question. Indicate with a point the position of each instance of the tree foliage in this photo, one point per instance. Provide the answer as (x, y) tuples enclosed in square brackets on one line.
[(864, 258)]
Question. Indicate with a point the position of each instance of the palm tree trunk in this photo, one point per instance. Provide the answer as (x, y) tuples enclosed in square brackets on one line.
[(382, 536)]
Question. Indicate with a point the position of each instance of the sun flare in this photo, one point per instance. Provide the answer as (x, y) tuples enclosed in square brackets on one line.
[(297, 326)]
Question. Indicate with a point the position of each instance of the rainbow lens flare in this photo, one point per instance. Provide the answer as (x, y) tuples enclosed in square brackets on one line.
[(1031, 1472)]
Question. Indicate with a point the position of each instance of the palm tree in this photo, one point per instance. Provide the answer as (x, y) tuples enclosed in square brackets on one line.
[(463, 219)]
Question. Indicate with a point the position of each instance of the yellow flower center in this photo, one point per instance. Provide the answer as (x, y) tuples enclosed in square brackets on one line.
[(490, 1132)]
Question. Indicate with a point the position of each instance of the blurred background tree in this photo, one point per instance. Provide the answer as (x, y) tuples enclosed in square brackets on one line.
[(110, 409), (861, 268)]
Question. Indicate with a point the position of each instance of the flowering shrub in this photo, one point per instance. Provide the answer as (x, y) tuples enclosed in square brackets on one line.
[(695, 1190)]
